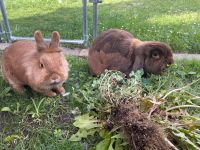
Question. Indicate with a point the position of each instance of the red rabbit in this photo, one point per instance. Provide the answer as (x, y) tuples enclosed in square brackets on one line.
[(41, 66)]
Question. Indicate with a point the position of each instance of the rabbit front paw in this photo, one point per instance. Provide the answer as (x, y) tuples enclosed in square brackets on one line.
[(49, 93), (60, 90)]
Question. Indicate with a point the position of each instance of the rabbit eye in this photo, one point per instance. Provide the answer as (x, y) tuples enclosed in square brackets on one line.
[(41, 65), (155, 55)]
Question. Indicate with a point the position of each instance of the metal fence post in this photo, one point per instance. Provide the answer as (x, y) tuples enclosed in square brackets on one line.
[(85, 22), (5, 19), (95, 17), (84, 39), (1, 32)]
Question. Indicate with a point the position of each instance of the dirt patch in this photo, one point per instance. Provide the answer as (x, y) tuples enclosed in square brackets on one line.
[(4, 120), (65, 117), (142, 133)]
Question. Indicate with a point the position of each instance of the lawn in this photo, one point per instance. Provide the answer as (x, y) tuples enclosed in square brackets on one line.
[(32, 121), (174, 22)]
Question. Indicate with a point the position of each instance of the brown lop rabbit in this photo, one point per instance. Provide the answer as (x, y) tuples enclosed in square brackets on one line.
[(41, 66), (116, 49)]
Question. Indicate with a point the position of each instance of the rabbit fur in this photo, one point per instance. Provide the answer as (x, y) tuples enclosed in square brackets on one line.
[(37, 64), (117, 49)]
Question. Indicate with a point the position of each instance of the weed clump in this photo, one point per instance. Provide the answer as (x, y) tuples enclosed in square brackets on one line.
[(142, 133), (138, 113), (124, 96)]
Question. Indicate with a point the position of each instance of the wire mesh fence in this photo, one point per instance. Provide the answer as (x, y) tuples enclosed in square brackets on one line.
[(173, 22), (65, 16)]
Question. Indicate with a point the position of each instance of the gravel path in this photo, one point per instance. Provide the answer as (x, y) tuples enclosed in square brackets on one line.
[(84, 53)]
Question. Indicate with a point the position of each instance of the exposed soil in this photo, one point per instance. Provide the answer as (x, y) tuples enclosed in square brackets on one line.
[(143, 134)]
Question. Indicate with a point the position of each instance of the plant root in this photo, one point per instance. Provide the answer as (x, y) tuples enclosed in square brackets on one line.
[(142, 133)]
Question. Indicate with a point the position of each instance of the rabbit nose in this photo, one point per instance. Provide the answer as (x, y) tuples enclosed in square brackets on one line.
[(55, 79), (170, 61)]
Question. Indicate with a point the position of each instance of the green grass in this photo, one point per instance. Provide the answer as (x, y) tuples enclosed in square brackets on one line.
[(33, 121), (174, 22)]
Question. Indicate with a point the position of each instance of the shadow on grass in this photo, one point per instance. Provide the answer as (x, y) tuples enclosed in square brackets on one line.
[(173, 22), (176, 23), (33, 121)]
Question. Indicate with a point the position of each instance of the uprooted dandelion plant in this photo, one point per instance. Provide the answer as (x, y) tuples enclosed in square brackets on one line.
[(159, 104)]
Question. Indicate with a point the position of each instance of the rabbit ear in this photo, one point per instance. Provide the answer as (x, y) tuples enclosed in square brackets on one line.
[(41, 45), (138, 63), (160, 47), (55, 40)]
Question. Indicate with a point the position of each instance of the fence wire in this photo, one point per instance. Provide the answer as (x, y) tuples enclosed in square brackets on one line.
[(21, 18)]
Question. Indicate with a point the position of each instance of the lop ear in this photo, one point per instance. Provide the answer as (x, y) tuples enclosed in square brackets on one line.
[(55, 40), (160, 47), (138, 63), (41, 45)]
